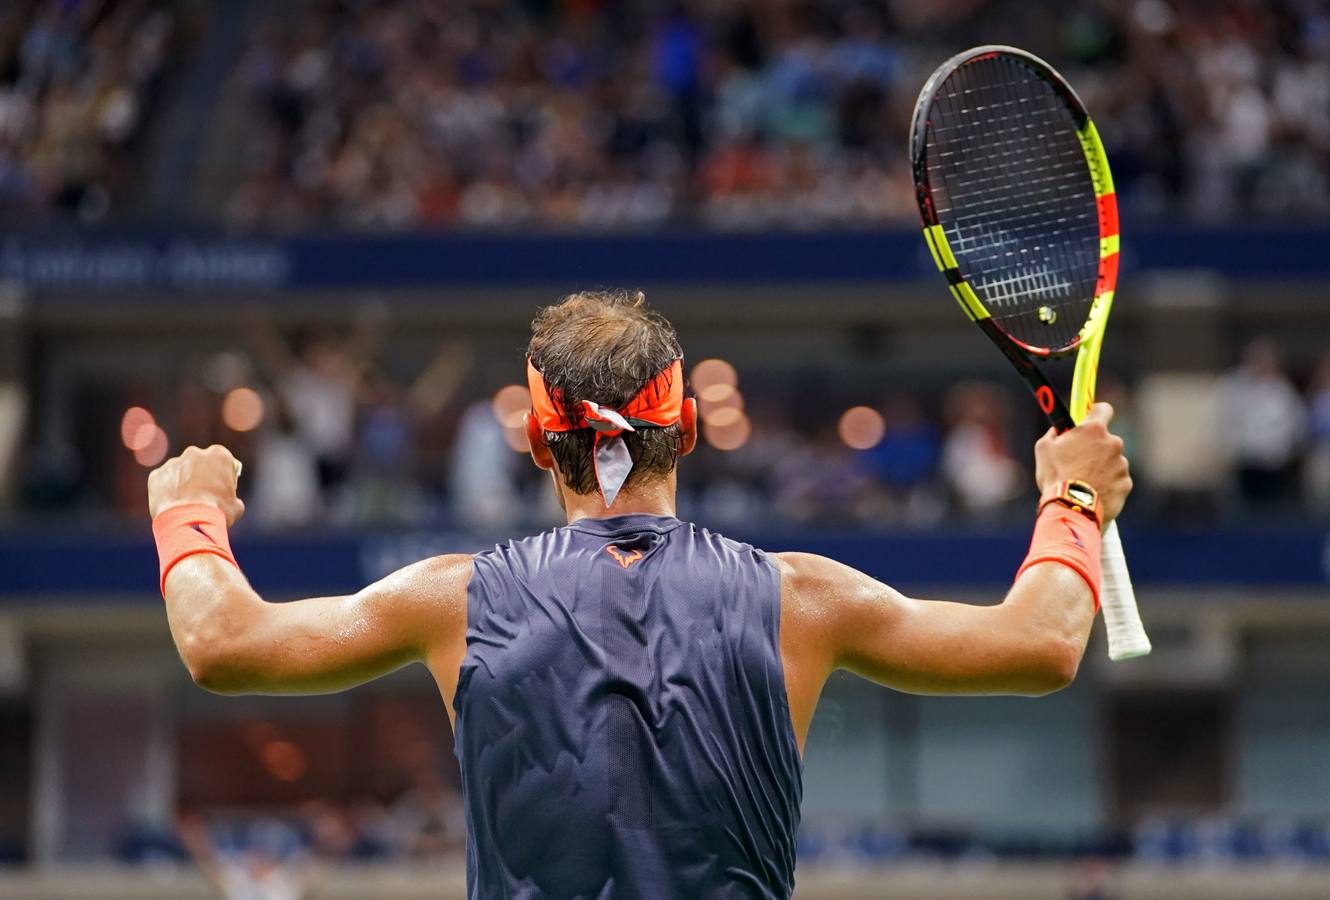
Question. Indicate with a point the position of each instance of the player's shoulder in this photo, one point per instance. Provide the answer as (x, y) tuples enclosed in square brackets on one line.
[(709, 535), (515, 550), (436, 576), (450, 568), (808, 568), (820, 580)]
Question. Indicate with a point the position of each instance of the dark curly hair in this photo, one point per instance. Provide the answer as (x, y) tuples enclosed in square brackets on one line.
[(604, 346)]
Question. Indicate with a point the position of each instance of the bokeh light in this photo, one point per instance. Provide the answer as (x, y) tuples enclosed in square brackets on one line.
[(509, 403), (713, 376), (724, 417), (151, 445), (284, 760), (862, 427), (136, 428), (731, 435), (516, 438), (242, 409), (732, 401), (716, 393)]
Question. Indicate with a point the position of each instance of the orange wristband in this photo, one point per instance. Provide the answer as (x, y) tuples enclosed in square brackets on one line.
[(187, 530), (1064, 536)]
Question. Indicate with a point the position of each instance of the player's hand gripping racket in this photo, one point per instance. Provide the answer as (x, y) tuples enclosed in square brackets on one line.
[(1020, 215)]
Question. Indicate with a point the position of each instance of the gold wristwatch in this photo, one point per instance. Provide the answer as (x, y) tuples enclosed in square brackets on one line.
[(1075, 495)]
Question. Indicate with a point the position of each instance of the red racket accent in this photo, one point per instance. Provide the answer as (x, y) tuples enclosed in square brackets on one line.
[(1047, 399), (1108, 214), (1108, 274)]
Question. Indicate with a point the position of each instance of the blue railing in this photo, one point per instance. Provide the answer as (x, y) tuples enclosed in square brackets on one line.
[(116, 566)]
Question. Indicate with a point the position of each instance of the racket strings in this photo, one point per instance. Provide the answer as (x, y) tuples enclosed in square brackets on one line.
[(1014, 196)]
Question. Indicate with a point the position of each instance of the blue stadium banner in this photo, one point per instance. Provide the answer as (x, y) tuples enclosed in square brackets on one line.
[(94, 262)]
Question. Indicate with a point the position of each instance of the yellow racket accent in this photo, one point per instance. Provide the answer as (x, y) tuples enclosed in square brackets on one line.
[(1109, 245), (1096, 157), (969, 301), (937, 242), (1086, 373), (946, 263)]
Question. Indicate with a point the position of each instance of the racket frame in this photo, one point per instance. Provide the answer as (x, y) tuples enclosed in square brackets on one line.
[(1127, 636)]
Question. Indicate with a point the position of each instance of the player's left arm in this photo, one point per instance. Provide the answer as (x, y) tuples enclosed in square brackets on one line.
[(235, 642), (1031, 643)]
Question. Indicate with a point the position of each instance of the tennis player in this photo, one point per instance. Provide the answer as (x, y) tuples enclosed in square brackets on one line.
[(630, 693)]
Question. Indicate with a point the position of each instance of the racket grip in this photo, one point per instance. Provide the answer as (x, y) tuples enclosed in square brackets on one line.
[(1122, 619)]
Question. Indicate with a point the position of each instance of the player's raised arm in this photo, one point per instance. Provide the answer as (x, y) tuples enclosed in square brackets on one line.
[(233, 641), (1031, 643)]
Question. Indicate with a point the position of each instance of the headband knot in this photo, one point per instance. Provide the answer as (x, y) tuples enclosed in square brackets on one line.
[(658, 404), (604, 419)]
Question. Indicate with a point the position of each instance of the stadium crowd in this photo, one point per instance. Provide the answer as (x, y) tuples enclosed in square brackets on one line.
[(332, 434), (78, 83), (401, 114), (746, 115)]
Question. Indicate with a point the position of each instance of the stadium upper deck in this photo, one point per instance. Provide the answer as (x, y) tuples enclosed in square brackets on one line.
[(410, 114)]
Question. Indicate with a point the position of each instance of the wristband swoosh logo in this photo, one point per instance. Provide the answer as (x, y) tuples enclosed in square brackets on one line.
[(207, 537), (1075, 535)]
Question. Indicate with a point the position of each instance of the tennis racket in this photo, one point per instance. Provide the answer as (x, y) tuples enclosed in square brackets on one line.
[(1021, 218)]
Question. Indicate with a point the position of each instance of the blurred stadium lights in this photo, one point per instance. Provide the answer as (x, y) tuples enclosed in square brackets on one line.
[(731, 433), (731, 399), (713, 379), (510, 405), (242, 409), (861, 427), (724, 417), (150, 446), (284, 760), (136, 428)]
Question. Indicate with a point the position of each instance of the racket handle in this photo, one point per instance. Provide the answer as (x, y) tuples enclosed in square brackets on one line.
[(1126, 634)]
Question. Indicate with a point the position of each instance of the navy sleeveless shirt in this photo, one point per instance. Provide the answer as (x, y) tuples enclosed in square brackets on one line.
[(622, 724)]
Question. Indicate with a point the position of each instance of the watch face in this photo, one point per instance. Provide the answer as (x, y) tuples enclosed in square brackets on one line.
[(1081, 494)]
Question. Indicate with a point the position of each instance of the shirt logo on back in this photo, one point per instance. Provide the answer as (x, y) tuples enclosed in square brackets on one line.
[(623, 559)]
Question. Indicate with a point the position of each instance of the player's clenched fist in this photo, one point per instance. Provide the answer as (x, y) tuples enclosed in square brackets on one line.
[(1090, 453), (197, 476)]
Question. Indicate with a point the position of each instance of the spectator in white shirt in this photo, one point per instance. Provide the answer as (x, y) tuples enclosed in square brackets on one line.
[(1264, 425)]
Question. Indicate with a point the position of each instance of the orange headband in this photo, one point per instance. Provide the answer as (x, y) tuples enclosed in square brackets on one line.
[(657, 405)]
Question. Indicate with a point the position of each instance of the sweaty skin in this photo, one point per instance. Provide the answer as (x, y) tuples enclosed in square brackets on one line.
[(832, 616)]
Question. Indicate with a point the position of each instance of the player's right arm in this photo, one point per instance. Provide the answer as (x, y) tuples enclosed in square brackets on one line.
[(233, 641), (836, 617)]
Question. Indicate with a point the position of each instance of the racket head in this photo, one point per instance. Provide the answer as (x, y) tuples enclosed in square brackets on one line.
[(1017, 202)]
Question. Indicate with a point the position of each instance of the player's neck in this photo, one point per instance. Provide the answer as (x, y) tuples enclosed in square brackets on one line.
[(654, 498)]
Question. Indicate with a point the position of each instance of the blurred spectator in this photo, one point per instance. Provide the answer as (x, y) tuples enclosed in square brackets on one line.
[(384, 490), (428, 818), (1318, 455), (77, 82), (285, 482), (247, 873), (907, 458), (481, 480), (406, 114), (319, 379), (1263, 424), (976, 462), (1091, 881)]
